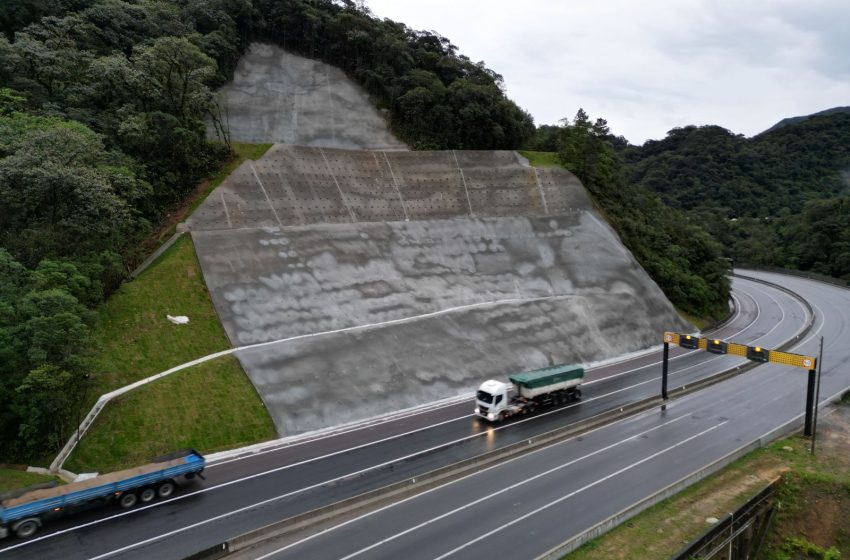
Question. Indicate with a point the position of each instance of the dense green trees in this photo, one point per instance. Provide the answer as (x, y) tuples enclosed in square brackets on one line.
[(776, 199), (102, 132), (104, 107), (436, 98), (680, 256)]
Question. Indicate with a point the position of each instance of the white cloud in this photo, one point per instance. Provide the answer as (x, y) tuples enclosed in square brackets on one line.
[(653, 65)]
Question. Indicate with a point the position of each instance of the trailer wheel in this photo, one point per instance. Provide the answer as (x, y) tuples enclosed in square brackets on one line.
[(127, 500), (166, 489), (147, 495), (26, 529)]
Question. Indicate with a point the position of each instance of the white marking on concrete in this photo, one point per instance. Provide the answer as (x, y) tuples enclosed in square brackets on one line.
[(580, 490), (341, 194), (395, 184), (293, 200), (470, 504), (818, 330), (226, 212), (269, 500), (69, 447), (269, 200), (463, 180), (104, 399), (540, 188), (495, 428)]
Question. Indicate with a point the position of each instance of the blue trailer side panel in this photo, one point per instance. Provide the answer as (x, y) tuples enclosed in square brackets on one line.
[(193, 463)]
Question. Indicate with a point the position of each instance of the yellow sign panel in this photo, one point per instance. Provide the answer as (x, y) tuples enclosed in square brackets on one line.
[(734, 349)]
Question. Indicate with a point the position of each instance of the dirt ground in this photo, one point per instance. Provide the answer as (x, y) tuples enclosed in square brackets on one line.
[(814, 506)]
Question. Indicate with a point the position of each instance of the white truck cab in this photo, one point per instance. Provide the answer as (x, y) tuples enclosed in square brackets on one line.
[(491, 400)]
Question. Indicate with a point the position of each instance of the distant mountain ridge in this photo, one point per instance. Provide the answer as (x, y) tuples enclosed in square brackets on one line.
[(795, 120)]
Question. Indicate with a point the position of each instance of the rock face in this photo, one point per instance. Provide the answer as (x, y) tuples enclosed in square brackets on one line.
[(380, 280), (276, 96)]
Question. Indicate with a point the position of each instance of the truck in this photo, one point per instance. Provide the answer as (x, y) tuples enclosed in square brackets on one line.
[(530, 390), (23, 511)]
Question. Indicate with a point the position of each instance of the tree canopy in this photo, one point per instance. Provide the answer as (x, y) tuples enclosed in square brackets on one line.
[(104, 106), (684, 260), (776, 199)]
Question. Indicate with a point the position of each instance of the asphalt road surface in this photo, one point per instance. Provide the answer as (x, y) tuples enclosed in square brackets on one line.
[(523, 507)]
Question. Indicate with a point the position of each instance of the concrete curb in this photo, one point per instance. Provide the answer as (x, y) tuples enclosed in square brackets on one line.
[(789, 427), (629, 512), (155, 255), (444, 475), (793, 425), (388, 494)]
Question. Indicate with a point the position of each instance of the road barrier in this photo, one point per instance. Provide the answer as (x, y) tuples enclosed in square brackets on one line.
[(316, 520)]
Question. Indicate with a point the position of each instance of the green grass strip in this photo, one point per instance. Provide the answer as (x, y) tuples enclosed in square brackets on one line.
[(135, 338), (541, 159), (210, 407), (12, 479)]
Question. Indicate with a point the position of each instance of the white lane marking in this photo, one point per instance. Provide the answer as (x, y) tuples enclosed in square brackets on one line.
[(578, 491), (779, 322), (278, 469), (344, 432), (818, 330), (288, 494), (389, 506), (484, 498), (290, 445)]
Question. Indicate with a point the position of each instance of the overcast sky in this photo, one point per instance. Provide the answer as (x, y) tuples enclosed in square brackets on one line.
[(653, 65)]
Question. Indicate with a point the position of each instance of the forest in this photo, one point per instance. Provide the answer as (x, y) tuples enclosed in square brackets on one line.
[(104, 106), (778, 199), (683, 259)]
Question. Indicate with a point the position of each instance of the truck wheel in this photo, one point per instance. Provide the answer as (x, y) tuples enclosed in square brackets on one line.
[(166, 489), (147, 495), (27, 528), (577, 394), (127, 500)]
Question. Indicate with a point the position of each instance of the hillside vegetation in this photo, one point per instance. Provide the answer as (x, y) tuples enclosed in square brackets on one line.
[(781, 198), (103, 112), (680, 256)]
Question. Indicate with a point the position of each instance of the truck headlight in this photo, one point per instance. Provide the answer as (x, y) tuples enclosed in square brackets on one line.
[(477, 410), (491, 416)]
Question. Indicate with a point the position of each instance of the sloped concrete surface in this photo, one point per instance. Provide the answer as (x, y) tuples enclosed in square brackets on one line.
[(293, 185), (498, 268), (276, 96)]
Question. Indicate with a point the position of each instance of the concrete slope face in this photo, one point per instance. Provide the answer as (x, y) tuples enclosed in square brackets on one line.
[(384, 280), (276, 96)]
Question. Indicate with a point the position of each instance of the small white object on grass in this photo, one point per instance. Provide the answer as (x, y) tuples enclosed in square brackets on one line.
[(178, 320)]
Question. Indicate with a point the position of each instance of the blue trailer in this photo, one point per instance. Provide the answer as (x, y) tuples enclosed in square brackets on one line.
[(23, 512)]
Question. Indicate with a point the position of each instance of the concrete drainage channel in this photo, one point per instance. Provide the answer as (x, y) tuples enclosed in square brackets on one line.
[(317, 520)]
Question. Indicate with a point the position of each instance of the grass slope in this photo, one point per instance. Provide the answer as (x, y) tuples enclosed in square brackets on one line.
[(135, 338), (541, 159), (209, 407), (12, 479)]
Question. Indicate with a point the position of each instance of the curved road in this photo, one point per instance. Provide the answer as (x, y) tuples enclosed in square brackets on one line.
[(248, 492)]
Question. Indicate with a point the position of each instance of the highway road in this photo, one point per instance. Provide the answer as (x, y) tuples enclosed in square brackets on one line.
[(585, 479)]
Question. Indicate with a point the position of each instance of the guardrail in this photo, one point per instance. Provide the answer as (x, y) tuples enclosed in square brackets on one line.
[(316, 519), (718, 541)]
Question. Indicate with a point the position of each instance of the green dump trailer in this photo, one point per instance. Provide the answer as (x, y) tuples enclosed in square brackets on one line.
[(547, 386)]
